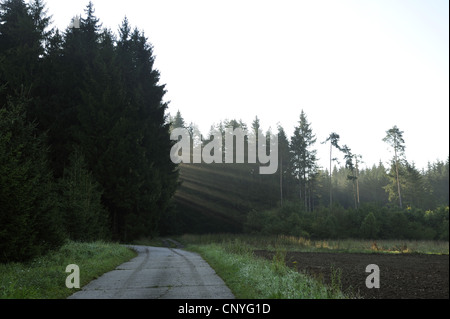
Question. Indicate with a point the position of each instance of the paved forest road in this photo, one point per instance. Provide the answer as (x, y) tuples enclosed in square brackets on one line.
[(158, 273)]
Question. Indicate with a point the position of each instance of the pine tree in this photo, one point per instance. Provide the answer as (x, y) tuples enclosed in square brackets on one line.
[(303, 157), (394, 137), (284, 161), (334, 141), (353, 168)]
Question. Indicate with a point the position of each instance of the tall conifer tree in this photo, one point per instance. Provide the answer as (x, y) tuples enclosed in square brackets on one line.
[(394, 137), (303, 156)]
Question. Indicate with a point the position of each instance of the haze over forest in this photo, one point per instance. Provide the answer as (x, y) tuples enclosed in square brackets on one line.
[(85, 155)]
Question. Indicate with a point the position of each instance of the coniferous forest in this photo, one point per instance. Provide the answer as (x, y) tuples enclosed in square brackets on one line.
[(396, 201), (85, 155), (84, 143)]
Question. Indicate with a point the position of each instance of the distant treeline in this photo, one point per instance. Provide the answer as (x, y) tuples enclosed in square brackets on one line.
[(84, 141), (302, 198)]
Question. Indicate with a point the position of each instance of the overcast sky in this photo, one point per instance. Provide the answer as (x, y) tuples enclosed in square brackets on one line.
[(356, 68)]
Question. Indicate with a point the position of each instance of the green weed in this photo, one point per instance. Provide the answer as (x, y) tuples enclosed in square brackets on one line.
[(254, 278), (44, 277)]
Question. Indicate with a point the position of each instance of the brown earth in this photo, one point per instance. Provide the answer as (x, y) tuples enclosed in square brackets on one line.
[(402, 276)]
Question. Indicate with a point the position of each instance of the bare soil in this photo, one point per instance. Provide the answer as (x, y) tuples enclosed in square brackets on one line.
[(402, 276)]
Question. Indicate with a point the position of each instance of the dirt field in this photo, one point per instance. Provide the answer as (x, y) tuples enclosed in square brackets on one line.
[(402, 276)]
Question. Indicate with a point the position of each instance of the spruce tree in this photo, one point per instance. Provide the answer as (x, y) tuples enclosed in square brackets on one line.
[(284, 161), (304, 157), (101, 95), (29, 219), (143, 144), (23, 32), (178, 120), (84, 217)]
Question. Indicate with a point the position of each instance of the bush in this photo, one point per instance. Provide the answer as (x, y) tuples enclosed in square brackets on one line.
[(369, 222), (369, 227)]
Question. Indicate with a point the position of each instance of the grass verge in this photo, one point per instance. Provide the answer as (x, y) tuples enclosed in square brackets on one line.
[(254, 278), (45, 277)]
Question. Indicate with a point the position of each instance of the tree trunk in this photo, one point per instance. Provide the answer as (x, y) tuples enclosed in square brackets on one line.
[(357, 193), (357, 185), (331, 199), (304, 182), (281, 180), (398, 181)]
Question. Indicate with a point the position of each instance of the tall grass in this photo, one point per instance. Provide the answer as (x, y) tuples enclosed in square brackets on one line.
[(254, 278), (44, 277), (293, 243)]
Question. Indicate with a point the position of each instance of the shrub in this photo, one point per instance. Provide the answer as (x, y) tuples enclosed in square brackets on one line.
[(369, 227)]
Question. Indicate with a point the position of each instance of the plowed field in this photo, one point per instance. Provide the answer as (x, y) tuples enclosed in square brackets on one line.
[(402, 276)]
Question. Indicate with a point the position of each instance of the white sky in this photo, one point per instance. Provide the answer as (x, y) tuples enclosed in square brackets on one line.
[(356, 68)]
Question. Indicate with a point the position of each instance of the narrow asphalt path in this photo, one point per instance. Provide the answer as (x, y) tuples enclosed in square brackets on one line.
[(158, 273)]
